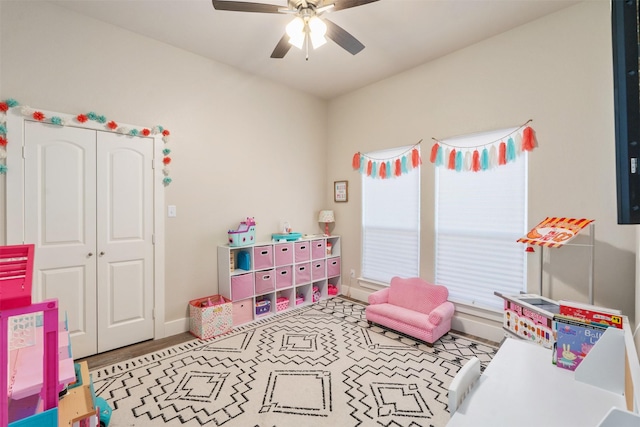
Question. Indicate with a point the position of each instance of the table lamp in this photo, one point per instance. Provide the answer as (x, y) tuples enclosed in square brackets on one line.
[(326, 217)]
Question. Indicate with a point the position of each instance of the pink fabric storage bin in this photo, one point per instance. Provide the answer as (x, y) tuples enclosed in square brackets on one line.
[(318, 269), (333, 267), (284, 277), (265, 281), (318, 249), (241, 286), (302, 273), (283, 254), (242, 311), (262, 257), (302, 251)]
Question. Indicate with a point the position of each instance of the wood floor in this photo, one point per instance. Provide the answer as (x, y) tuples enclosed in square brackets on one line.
[(135, 350)]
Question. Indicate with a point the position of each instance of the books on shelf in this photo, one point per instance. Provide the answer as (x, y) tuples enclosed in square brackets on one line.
[(575, 339), (578, 328), (591, 313)]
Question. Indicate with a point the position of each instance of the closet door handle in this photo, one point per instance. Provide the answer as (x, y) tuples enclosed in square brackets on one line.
[(90, 254), (101, 253)]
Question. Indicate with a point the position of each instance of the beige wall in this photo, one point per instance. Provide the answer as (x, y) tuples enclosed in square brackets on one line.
[(556, 71), (241, 146)]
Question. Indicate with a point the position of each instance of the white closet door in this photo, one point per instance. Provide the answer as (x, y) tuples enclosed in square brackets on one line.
[(125, 232), (60, 218)]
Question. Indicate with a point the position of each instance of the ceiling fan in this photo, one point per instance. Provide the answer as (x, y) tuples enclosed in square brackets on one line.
[(307, 24)]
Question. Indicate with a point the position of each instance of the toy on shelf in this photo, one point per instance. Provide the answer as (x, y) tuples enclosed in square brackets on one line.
[(286, 237), (244, 235), (263, 307)]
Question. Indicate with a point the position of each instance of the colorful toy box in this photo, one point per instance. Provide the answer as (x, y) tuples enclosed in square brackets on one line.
[(263, 307), (530, 317), (299, 299), (210, 316), (244, 235)]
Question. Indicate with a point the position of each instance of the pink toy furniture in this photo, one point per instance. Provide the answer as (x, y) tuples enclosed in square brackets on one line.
[(16, 272), (414, 307)]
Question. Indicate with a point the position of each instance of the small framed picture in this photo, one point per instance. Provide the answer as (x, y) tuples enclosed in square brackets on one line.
[(340, 191)]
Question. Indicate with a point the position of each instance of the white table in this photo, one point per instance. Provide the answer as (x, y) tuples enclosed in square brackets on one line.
[(521, 387)]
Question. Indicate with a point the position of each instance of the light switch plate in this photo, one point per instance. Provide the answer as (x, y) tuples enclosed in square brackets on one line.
[(171, 211)]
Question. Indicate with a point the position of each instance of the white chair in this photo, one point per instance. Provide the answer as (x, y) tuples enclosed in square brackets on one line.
[(462, 383)]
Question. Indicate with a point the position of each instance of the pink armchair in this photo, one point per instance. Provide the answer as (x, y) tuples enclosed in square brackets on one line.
[(414, 307)]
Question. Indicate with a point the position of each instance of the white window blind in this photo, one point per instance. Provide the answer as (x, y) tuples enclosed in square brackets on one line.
[(391, 223), (479, 217)]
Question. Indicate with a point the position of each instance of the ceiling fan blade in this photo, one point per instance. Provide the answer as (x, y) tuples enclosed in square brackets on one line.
[(241, 6), (281, 48), (346, 4), (343, 38)]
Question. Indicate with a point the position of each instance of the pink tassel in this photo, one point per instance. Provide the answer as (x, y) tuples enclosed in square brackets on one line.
[(434, 154), (369, 166), (398, 168), (383, 170), (502, 154), (415, 157), (475, 163), (355, 162), (452, 160), (528, 139)]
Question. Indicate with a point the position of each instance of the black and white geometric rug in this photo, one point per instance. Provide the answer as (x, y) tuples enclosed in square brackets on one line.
[(319, 365)]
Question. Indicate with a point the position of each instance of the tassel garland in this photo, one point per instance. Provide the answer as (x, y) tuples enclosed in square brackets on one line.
[(390, 168), (485, 156)]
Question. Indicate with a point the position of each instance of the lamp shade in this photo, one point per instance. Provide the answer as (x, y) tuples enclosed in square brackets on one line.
[(326, 216)]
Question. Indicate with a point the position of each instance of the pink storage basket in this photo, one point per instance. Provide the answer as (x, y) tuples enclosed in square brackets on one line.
[(265, 281), (262, 257), (302, 251), (302, 273), (318, 249), (282, 303), (241, 286), (16, 275), (284, 277), (333, 267), (318, 269), (283, 254)]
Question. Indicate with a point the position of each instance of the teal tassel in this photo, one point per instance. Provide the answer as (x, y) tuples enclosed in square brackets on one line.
[(133, 132), (160, 128), (484, 159), (92, 116), (166, 151), (362, 163), (11, 102), (389, 170), (439, 156), (56, 120), (374, 170), (459, 161), (3, 169), (403, 166), (511, 151), (166, 180), (3, 130), (101, 119)]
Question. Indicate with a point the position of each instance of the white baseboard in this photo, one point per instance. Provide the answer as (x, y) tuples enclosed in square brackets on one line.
[(176, 327)]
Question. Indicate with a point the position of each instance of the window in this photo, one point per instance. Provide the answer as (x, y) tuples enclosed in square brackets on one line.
[(479, 216), (391, 222)]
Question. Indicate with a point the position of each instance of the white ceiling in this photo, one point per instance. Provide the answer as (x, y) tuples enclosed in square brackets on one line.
[(398, 35)]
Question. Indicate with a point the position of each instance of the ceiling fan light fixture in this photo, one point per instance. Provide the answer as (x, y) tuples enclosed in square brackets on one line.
[(317, 40), (295, 31), (317, 31)]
